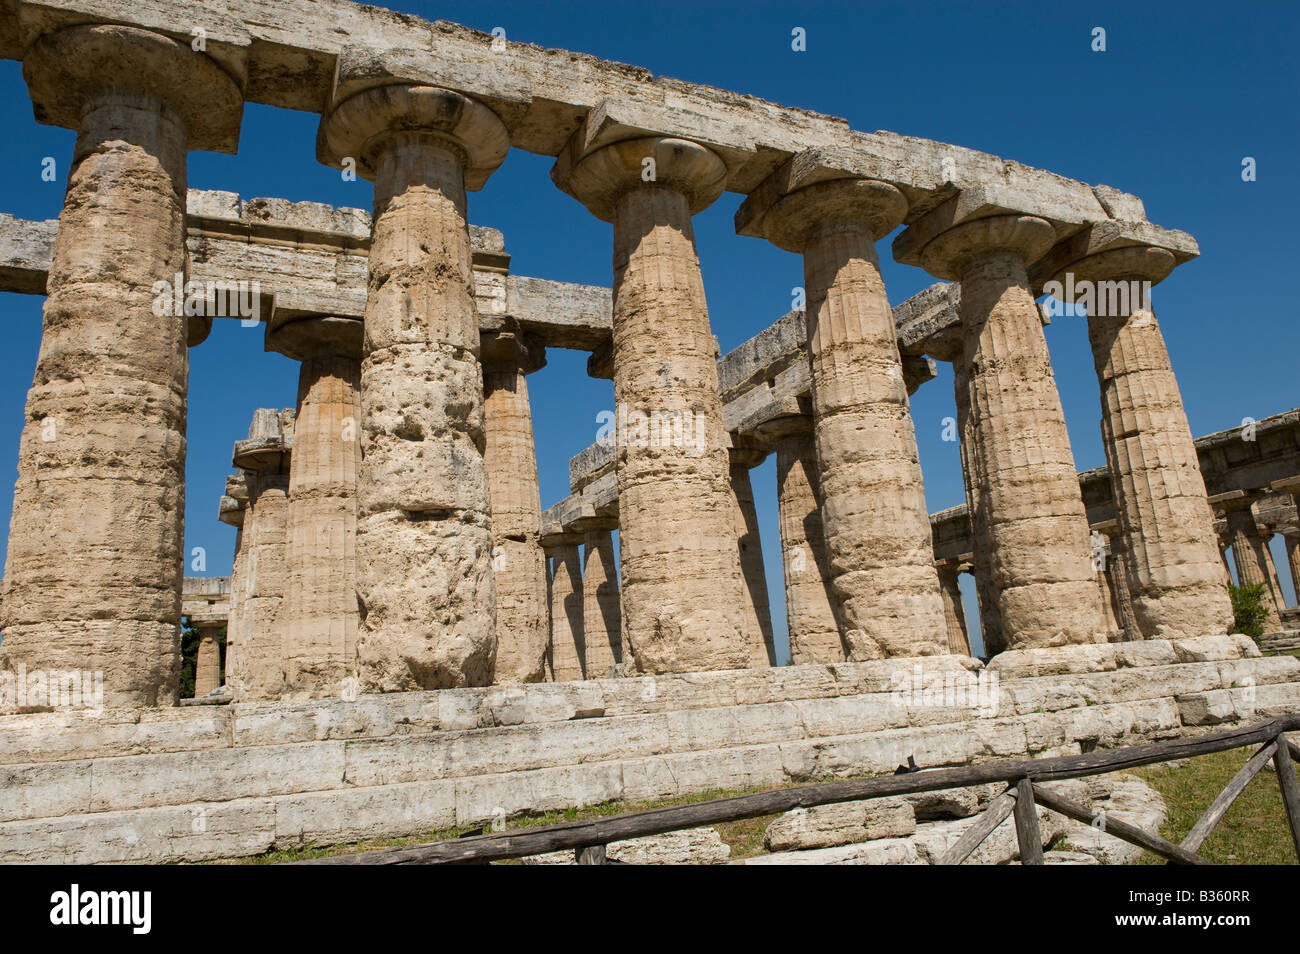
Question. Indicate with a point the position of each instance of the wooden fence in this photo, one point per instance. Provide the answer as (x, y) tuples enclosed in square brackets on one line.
[(587, 839)]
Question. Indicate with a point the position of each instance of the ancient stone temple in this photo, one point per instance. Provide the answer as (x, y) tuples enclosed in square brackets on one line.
[(412, 639)]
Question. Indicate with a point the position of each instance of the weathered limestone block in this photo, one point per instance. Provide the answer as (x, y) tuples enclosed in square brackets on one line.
[(758, 613), (568, 649), (602, 626), (255, 663), (1026, 489), (680, 574), (424, 541), (1176, 587), (842, 823), (511, 461), (694, 846), (877, 526), (809, 608), (318, 619), (1123, 797), (94, 566)]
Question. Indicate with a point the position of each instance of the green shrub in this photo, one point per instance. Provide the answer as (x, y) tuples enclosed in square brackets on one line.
[(1248, 609)]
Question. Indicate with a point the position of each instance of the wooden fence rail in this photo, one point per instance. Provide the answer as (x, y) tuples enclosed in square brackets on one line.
[(1023, 777)]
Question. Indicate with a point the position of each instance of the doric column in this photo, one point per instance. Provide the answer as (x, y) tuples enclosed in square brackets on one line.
[(511, 460), (809, 608), (318, 620), (954, 613), (424, 536), (207, 667), (1293, 560), (255, 664), (1160, 500), (1026, 498), (231, 510), (681, 582), (758, 612), (567, 645), (94, 566), (602, 623), (986, 592), (1254, 562), (873, 506)]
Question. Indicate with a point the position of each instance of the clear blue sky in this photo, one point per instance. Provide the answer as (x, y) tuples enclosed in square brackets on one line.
[(1183, 92)]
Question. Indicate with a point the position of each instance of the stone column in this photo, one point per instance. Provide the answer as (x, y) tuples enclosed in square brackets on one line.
[(255, 663), (758, 612), (1293, 560), (424, 536), (877, 525), (231, 511), (318, 621), (681, 581), (954, 613), (809, 608), (568, 646), (1027, 488), (1250, 552), (602, 619), (1160, 500), (94, 566), (986, 591), (511, 460), (207, 667)]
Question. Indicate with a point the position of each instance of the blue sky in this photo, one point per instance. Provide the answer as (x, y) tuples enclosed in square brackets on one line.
[(1183, 92)]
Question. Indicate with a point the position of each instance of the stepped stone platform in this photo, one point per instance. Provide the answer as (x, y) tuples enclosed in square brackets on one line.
[(189, 784)]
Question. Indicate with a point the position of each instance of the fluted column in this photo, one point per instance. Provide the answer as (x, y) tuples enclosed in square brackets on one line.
[(318, 622), (680, 574), (511, 460), (424, 537), (1027, 494), (1293, 560), (1160, 499), (207, 666), (954, 613), (809, 608), (567, 645), (602, 623), (758, 612), (231, 511), (1250, 553), (873, 507), (94, 568), (986, 592), (255, 656)]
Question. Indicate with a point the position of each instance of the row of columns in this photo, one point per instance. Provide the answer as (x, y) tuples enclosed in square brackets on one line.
[(441, 561)]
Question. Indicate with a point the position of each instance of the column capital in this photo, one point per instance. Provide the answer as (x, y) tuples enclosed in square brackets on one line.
[(946, 250), (770, 433), (269, 443), (793, 219), (602, 177), (69, 70), (361, 125), (512, 348), (303, 337)]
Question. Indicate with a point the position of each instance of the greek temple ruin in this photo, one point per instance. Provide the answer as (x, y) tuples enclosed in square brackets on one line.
[(411, 640)]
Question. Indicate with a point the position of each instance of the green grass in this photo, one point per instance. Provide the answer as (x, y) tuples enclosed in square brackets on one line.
[(1253, 832)]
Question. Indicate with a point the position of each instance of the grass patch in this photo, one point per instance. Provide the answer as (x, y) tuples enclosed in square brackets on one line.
[(1253, 832)]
